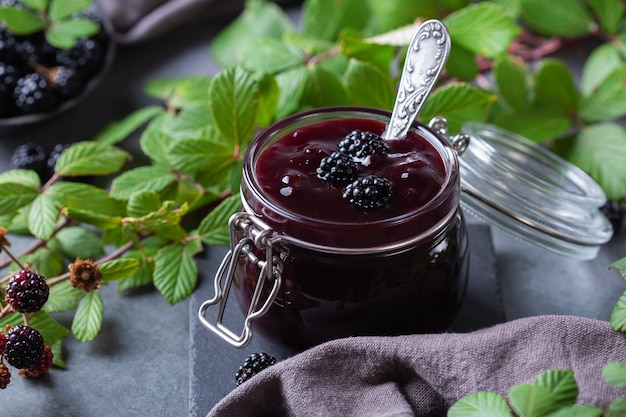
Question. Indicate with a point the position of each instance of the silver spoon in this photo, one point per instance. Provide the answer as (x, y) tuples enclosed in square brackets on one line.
[(425, 59)]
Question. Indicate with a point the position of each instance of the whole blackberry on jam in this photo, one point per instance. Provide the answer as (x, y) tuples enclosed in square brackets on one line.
[(24, 347), (66, 81), (27, 292), (337, 168), (254, 363), (86, 57), (33, 93), (31, 156), (368, 193), (359, 144)]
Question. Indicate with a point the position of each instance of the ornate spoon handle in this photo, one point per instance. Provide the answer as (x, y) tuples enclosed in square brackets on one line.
[(425, 59)]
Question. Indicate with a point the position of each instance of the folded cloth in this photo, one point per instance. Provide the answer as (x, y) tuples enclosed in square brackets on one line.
[(423, 375)]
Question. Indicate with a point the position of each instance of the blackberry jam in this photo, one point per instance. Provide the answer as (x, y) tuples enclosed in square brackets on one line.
[(307, 266)]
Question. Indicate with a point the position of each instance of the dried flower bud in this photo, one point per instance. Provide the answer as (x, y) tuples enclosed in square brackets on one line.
[(85, 275), (5, 376), (4, 242)]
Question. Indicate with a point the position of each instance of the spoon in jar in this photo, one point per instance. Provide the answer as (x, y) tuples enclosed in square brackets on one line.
[(425, 59)]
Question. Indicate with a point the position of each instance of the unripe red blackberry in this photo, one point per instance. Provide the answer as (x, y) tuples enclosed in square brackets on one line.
[(41, 367), (3, 342), (27, 292), (24, 347)]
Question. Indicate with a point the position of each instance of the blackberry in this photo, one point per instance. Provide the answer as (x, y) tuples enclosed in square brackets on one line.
[(337, 168), (359, 144), (66, 81), (8, 46), (616, 213), (24, 347), (35, 50), (254, 363), (55, 153), (27, 292), (33, 93), (5, 376), (86, 57), (3, 341), (31, 156), (368, 193), (42, 366)]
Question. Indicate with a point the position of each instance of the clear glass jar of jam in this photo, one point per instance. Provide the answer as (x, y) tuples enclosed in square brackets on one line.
[(307, 266)]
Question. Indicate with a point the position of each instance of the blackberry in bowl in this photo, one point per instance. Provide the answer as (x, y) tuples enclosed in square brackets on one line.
[(43, 73)]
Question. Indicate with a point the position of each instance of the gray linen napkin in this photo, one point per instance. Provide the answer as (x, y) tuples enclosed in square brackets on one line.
[(422, 375)]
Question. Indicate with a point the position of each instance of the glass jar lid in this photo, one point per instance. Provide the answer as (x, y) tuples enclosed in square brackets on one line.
[(523, 188)]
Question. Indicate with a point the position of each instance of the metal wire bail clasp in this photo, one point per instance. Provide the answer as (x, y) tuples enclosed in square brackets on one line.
[(255, 234), (459, 142)]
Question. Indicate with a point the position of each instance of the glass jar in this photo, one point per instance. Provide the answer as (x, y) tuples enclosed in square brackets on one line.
[(317, 269)]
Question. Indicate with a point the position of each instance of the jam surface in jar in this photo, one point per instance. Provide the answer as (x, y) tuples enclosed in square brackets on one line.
[(286, 172)]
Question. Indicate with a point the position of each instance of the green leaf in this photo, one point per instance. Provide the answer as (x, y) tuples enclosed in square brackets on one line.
[(88, 317), (324, 88), (118, 131), (512, 78), (152, 178), (579, 411), (63, 297), (600, 150), (43, 217), (391, 14), (13, 196), (618, 314), (193, 155), (555, 86), (21, 21), (45, 261), (564, 18), (291, 84), (57, 354), (234, 99), (214, 228), (50, 329), (609, 13), (378, 55), (155, 145), (143, 275), (118, 269), (86, 197), (268, 100), (60, 9), (561, 383), (462, 64), (615, 374), (39, 5), (458, 103), (531, 400), (91, 158), (101, 221), (25, 177), (620, 266), (260, 19), (608, 100), (143, 202), (480, 404), (64, 33), (368, 86), (483, 28), (601, 62), (538, 125), (617, 408), (79, 242), (269, 55), (176, 273), (318, 22)]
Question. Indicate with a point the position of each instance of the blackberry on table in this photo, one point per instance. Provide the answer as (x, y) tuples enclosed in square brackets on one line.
[(31, 156), (27, 291), (368, 193), (360, 144), (337, 168), (24, 347), (254, 363), (33, 93)]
